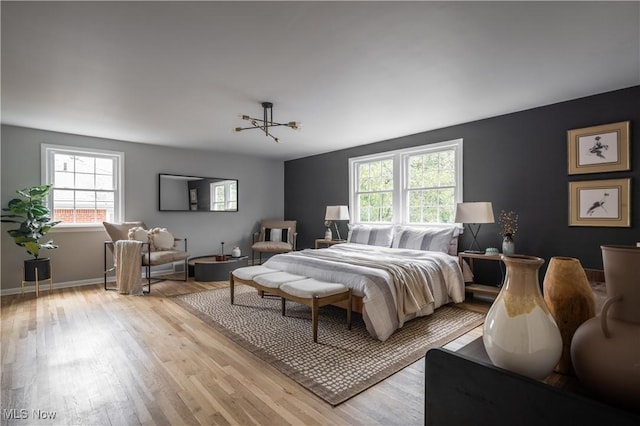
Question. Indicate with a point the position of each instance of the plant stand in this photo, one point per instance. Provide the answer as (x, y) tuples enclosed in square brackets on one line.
[(37, 281)]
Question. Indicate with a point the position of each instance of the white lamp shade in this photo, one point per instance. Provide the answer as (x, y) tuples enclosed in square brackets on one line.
[(337, 213), (475, 212)]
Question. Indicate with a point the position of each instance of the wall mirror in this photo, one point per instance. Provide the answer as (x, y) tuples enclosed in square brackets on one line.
[(196, 193)]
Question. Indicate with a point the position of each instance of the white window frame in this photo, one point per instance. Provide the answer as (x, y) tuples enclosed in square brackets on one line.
[(47, 152), (400, 211)]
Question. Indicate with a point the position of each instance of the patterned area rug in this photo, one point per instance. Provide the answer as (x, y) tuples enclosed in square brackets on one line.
[(344, 362)]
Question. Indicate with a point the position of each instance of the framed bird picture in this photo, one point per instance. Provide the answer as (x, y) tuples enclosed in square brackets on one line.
[(600, 203), (599, 149)]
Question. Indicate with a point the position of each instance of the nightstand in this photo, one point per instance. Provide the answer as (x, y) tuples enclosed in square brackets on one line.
[(473, 288), (324, 242)]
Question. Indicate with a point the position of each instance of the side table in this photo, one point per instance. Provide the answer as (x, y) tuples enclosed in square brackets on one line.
[(327, 243), (473, 288), (207, 268)]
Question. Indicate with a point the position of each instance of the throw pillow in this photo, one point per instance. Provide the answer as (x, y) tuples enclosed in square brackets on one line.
[(161, 239), (138, 233), (277, 234)]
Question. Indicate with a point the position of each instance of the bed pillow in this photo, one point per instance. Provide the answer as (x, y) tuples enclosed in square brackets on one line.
[(276, 234), (432, 238), (453, 244), (372, 235)]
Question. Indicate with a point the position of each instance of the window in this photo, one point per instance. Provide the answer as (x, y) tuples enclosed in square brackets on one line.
[(87, 184), (413, 186)]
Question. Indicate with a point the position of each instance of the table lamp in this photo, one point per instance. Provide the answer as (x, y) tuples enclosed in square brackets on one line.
[(474, 213), (335, 213)]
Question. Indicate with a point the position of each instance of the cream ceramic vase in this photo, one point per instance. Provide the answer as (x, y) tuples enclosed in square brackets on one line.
[(520, 334), (605, 350)]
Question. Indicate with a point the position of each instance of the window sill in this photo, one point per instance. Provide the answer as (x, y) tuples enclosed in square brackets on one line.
[(81, 227)]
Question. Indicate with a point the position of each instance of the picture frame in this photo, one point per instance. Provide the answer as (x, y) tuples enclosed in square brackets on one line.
[(599, 149), (193, 195), (605, 203)]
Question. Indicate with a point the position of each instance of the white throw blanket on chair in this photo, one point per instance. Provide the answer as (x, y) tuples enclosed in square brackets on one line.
[(128, 260)]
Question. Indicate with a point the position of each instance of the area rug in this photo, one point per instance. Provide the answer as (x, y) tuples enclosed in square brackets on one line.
[(344, 362)]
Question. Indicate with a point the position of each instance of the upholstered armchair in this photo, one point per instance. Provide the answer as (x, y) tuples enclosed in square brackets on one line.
[(168, 249), (274, 236)]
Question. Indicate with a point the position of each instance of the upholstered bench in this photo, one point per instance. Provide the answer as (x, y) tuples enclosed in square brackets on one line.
[(297, 288), (314, 293), (246, 276)]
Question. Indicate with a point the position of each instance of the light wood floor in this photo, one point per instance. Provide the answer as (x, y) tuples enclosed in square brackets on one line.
[(98, 358)]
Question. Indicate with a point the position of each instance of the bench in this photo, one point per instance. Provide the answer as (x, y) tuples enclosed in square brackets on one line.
[(296, 288)]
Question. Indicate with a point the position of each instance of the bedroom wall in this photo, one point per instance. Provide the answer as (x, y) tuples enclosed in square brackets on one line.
[(79, 259), (517, 161)]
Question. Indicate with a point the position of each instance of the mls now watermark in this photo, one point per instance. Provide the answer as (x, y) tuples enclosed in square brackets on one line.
[(25, 414)]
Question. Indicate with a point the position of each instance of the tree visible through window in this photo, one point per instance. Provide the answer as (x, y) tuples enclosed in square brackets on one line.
[(431, 188), (375, 190), (414, 186), (86, 184)]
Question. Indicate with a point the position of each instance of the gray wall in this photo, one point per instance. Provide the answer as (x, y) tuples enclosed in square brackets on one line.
[(79, 257), (517, 161)]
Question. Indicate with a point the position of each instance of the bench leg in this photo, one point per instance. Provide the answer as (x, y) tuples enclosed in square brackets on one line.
[(283, 305), (231, 288), (314, 318), (349, 311)]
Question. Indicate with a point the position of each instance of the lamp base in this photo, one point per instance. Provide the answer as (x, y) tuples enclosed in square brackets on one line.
[(474, 251)]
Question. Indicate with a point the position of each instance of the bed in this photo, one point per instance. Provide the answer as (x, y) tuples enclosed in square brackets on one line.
[(399, 273)]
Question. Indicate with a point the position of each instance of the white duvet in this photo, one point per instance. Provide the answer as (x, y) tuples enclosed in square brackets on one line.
[(354, 266)]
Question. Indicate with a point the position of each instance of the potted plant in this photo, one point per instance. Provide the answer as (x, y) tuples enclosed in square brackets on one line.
[(34, 217)]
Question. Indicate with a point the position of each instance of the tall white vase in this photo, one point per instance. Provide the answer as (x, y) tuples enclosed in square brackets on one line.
[(520, 334)]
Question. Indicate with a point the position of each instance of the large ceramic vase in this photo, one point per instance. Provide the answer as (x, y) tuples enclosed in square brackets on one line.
[(605, 350), (520, 334), (570, 300)]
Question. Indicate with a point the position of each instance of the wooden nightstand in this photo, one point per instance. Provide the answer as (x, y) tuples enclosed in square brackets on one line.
[(323, 242), (473, 288)]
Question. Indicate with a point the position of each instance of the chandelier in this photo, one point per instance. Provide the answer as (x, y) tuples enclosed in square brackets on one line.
[(266, 122)]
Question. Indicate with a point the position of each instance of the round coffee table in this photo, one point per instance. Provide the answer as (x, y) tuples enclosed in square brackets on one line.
[(213, 268)]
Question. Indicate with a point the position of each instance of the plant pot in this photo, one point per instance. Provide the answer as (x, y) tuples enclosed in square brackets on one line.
[(41, 266)]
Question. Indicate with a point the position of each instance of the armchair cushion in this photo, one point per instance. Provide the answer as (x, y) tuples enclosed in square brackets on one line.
[(272, 246), (161, 257), (120, 231)]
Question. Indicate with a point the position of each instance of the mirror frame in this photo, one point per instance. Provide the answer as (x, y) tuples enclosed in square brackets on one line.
[(192, 194)]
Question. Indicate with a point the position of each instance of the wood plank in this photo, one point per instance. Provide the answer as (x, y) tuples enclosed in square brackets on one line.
[(97, 357)]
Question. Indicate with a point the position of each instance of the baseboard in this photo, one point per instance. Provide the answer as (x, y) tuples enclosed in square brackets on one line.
[(44, 285)]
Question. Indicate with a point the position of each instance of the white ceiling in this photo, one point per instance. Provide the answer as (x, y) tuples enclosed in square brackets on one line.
[(178, 73)]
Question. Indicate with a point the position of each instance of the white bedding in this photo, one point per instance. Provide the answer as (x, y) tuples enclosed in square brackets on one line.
[(441, 275)]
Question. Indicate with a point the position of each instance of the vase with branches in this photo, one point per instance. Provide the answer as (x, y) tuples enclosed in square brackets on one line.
[(509, 226)]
